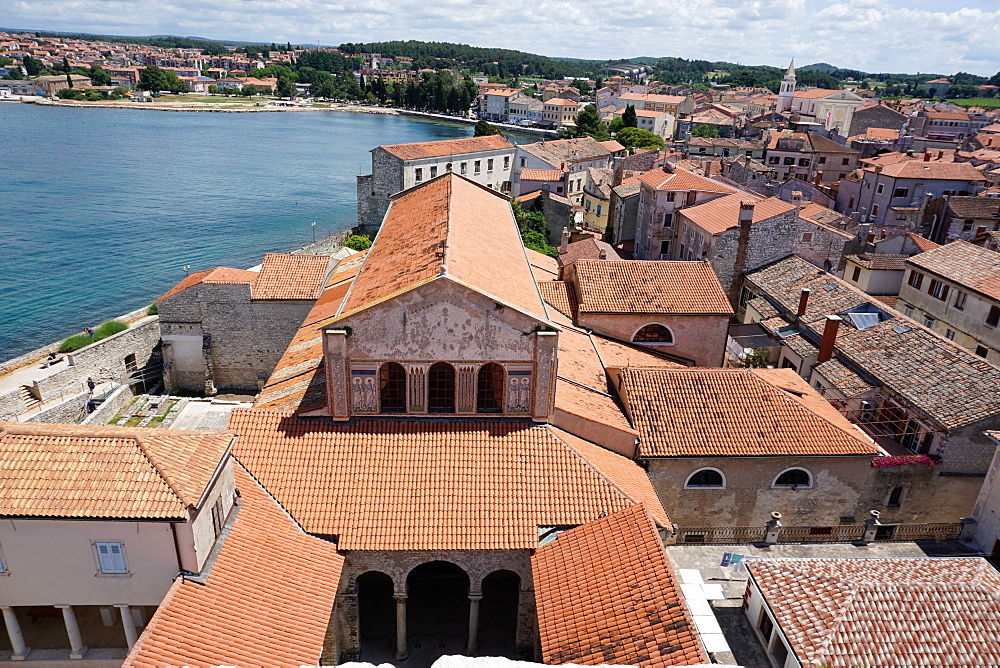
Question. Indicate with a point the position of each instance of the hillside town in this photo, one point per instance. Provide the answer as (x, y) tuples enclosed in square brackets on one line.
[(708, 375)]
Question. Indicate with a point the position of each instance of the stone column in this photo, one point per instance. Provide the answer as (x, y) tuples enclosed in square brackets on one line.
[(473, 645), (131, 635), (401, 650), (77, 648), (14, 633)]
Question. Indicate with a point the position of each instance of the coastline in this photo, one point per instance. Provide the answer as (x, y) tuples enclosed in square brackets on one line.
[(204, 107)]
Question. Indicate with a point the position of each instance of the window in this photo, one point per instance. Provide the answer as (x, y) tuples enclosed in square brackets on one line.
[(949, 334), (110, 557), (856, 275), (807, 237), (822, 159), (706, 478), (664, 248), (418, 174), (464, 168), (938, 290), (916, 278), (773, 160), (218, 520), (477, 166), (524, 163), (598, 209), (441, 388), (765, 625), (841, 177), (879, 188), (900, 192), (392, 388), (671, 196), (845, 161), (668, 219), (908, 310), (928, 322), (803, 162), (793, 478), (489, 165), (506, 162), (653, 334), (789, 161), (874, 209), (434, 171), (993, 317), (489, 389), (982, 351)]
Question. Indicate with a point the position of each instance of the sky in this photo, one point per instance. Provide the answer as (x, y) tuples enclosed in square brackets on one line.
[(937, 36)]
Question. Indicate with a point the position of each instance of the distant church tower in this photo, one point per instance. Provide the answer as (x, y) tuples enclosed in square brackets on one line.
[(787, 91)]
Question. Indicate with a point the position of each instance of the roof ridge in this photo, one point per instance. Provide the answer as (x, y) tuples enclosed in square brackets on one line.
[(167, 478), (600, 474)]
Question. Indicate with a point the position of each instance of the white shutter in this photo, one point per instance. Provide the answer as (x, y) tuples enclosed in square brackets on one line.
[(111, 557), (118, 557)]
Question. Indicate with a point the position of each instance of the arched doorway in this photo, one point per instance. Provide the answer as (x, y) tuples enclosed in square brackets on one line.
[(377, 617), (441, 388), (437, 611), (498, 614)]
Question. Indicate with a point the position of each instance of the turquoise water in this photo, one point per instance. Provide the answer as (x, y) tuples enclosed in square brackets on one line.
[(100, 209)]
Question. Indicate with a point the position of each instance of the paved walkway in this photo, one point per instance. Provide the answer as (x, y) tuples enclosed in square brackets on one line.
[(205, 414)]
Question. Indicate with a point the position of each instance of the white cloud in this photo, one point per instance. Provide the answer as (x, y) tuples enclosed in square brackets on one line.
[(872, 35)]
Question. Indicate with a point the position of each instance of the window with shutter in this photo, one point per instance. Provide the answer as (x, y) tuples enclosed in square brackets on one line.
[(993, 317), (218, 520), (110, 557)]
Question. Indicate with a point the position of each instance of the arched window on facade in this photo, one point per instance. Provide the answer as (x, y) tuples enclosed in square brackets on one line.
[(392, 388), (441, 388), (653, 334), (706, 478), (795, 477), (489, 389)]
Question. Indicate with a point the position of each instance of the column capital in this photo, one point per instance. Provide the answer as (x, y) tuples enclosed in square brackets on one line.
[(62, 606), (400, 597), (122, 605), (475, 595)]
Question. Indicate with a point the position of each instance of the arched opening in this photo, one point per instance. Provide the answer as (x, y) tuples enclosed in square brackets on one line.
[(707, 477), (793, 478), (653, 334), (441, 388), (437, 611), (377, 617), (498, 614), (489, 389), (392, 388)]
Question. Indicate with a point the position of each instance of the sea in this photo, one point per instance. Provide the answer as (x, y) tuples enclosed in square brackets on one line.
[(103, 210)]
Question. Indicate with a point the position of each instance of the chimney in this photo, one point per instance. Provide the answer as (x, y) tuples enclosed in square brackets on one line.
[(940, 154), (740, 260), (603, 255), (746, 211), (829, 338), (565, 236), (819, 178), (796, 197), (803, 300), (909, 153), (927, 157)]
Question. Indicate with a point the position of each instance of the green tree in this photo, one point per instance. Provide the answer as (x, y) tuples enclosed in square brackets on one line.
[(99, 76), (358, 242), (69, 80), (4, 61), (285, 88), (32, 66), (629, 118), (65, 65), (589, 124), (706, 131), (994, 80), (638, 138), (153, 79), (213, 89), (119, 92), (534, 232), (484, 129), (248, 90), (616, 124), (70, 94)]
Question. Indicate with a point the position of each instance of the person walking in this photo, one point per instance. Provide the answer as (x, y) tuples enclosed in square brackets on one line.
[(91, 384)]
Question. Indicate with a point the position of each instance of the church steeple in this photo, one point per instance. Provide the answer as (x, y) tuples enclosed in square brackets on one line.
[(787, 90)]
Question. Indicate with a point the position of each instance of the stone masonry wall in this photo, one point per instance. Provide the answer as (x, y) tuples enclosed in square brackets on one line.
[(386, 179), (65, 412)]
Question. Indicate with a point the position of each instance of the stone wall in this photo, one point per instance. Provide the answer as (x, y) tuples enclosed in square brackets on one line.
[(374, 189), (112, 405), (698, 338), (67, 411)]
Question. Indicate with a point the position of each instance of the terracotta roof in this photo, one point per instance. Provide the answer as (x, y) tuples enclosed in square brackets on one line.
[(842, 378), (735, 413), (723, 213), (542, 175), (682, 179), (447, 222), (636, 286), (651, 97), (290, 276), (885, 612), (629, 186), (217, 276), (267, 600), (888, 300), (606, 594), (544, 267), (434, 484), (817, 213), (586, 249), (975, 207), (944, 171), (88, 471), (560, 296), (437, 149), (966, 264), (612, 146), (922, 243), (880, 261), (815, 93)]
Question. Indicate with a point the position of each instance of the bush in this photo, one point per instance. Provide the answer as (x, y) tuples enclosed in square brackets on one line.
[(358, 242), (153, 309), (75, 342), (108, 328)]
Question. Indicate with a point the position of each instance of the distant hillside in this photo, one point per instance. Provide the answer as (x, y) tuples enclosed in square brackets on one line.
[(825, 68)]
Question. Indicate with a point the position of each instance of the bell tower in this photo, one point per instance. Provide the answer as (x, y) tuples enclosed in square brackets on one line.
[(787, 90)]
